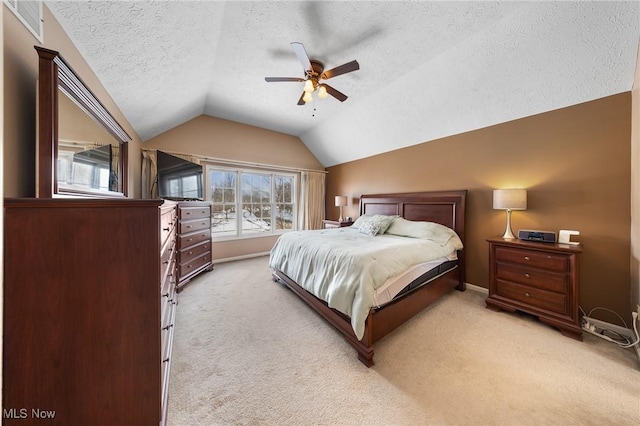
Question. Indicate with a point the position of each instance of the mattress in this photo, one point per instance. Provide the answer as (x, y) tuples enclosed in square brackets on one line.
[(413, 277)]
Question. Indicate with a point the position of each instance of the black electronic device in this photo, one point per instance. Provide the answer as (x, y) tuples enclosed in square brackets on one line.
[(534, 235), (178, 179)]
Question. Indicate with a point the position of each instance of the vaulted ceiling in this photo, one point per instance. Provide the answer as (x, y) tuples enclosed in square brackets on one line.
[(428, 69)]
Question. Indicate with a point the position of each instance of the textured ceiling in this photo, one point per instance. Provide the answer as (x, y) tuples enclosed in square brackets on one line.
[(427, 69)]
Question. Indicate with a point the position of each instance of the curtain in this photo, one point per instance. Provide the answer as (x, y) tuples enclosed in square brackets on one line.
[(149, 174), (312, 199)]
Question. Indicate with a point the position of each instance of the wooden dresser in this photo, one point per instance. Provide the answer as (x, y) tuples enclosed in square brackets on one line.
[(194, 240), (168, 294), (83, 312), (538, 278)]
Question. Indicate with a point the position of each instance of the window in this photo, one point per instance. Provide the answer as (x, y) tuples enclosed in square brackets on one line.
[(251, 203)]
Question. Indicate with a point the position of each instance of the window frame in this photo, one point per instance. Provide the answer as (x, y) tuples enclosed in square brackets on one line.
[(239, 171)]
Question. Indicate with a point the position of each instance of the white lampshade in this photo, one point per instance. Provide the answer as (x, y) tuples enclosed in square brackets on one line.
[(341, 200), (510, 199), (308, 86), (307, 97), (322, 92)]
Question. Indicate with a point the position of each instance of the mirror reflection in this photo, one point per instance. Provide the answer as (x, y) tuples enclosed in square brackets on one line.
[(88, 155)]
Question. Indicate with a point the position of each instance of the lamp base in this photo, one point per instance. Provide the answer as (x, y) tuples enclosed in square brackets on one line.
[(508, 233)]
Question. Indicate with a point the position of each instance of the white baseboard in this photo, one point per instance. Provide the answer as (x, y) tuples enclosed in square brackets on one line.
[(245, 256), (477, 288)]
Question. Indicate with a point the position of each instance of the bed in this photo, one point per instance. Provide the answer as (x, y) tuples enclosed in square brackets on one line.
[(442, 207)]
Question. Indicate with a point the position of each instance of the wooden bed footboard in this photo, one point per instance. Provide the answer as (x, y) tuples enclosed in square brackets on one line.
[(381, 321)]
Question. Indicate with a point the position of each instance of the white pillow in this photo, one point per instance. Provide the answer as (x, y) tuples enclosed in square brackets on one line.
[(361, 221), (435, 232)]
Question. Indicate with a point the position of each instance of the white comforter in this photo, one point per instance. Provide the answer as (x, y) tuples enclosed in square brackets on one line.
[(343, 267)]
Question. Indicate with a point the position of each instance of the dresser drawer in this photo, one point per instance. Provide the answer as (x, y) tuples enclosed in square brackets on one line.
[(193, 265), (550, 261), (531, 296), (530, 276), (194, 225), (188, 213), (195, 238), (168, 220), (190, 253), (167, 257)]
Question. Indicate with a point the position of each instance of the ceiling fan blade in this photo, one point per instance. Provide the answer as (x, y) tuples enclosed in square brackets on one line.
[(335, 93), (342, 69), (272, 79), (301, 101), (301, 53)]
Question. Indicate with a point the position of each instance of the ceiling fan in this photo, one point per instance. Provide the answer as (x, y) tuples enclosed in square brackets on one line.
[(313, 74)]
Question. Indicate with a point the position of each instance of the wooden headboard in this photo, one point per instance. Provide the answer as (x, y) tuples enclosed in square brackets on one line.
[(443, 207)]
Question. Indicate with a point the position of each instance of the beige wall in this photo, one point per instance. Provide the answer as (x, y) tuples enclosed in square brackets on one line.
[(574, 162), (218, 138), (222, 139), (20, 75), (635, 189)]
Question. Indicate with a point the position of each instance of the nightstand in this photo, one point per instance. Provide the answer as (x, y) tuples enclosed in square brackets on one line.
[(537, 278), (326, 224)]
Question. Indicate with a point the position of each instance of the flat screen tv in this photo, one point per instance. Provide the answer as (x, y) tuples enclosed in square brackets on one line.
[(178, 179)]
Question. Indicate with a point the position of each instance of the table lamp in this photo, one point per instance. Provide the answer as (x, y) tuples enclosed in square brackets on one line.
[(509, 199), (341, 201)]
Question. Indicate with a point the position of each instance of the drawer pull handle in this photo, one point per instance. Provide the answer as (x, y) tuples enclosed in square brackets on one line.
[(165, 360), (527, 275), (527, 258), (527, 294), (165, 295), (167, 327), (165, 229)]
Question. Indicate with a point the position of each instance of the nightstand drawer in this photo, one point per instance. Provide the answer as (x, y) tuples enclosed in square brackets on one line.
[(532, 296), (550, 261), (532, 277)]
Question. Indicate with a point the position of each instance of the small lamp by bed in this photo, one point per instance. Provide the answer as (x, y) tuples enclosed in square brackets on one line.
[(509, 199), (341, 201)]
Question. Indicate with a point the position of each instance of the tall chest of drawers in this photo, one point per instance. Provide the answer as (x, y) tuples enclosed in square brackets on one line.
[(537, 278), (194, 240)]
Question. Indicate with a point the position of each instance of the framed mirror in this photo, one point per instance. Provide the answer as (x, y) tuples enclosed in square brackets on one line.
[(82, 150)]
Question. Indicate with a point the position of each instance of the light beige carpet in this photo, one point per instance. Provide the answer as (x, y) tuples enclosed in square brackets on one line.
[(247, 351)]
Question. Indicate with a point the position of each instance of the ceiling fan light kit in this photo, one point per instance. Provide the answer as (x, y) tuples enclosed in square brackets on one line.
[(314, 72)]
